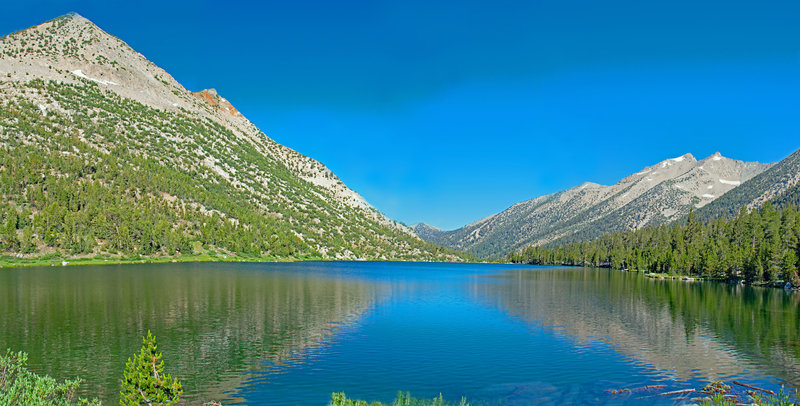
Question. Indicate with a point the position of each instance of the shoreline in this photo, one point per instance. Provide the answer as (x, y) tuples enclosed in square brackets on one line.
[(15, 263), (680, 277), (690, 278), (7, 262)]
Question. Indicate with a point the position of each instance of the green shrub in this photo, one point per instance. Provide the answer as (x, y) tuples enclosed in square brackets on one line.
[(19, 386), (402, 399)]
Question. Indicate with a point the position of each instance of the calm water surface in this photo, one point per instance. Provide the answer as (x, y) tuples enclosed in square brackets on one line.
[(498, 334)]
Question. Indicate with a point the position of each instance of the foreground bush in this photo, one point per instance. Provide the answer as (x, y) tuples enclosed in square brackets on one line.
[(403, 399), (19, 386)]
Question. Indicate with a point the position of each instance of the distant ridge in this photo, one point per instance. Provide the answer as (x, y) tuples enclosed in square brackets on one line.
[(428, 233), (654, 195)]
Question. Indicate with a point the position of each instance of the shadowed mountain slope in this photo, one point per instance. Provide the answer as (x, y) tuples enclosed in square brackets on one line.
[(779, 184)]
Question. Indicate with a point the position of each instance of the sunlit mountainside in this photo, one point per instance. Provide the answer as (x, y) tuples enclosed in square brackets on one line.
[(655, 195), (104, 153)]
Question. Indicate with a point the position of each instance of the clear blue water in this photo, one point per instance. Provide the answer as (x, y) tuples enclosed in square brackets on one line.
[(276, 334)]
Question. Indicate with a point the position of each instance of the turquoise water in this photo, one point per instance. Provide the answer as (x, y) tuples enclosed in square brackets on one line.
[(278, 334)]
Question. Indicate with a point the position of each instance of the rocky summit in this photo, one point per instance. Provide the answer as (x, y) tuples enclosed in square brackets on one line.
[(779, 185), (103, 153), (654, 195)]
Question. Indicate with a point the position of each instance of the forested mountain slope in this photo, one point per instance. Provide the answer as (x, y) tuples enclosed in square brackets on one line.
[(655, 195), (104, 153), (757, 246)]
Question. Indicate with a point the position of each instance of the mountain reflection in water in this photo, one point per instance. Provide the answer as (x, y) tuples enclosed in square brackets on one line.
[(212, 324), (272, 334), (688, 330)]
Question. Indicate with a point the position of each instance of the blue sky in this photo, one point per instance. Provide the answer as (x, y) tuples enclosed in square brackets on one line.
[(448, 111)]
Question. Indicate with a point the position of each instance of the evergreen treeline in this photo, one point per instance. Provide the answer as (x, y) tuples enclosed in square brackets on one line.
[(758, 246)]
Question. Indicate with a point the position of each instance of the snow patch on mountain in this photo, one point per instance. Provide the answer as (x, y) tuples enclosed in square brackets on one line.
[(79, 73)]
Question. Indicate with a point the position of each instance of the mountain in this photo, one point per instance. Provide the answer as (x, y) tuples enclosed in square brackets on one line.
[(780, 184), (104, 153), (654, 195), (427, 232)]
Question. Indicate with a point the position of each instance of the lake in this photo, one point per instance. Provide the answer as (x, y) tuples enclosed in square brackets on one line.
[(292, 333)]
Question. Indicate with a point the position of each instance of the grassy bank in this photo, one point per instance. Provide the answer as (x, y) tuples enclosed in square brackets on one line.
[(7, 261)]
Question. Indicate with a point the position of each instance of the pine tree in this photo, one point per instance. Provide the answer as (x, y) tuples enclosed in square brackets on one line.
[(790, 267), (710, 260), (693, 227), (144, 381)]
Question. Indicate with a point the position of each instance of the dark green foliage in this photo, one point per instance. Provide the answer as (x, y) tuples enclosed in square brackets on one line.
[(19, 386), (116, 178), (789, 197), (144, 381), (756, 246), (403, 399)]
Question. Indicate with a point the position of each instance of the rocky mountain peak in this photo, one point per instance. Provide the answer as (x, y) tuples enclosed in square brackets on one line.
[(426, 226), (653, 175), (779, 183), (731, 171), (589, 185), (428, 232), (684, 160), (715, 157), (73, 18), (211, 97), (69, 37), (72, 49)]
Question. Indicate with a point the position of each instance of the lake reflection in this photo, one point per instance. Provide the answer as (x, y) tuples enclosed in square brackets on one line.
[(498, 334), (214, 323), (686, 330)]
